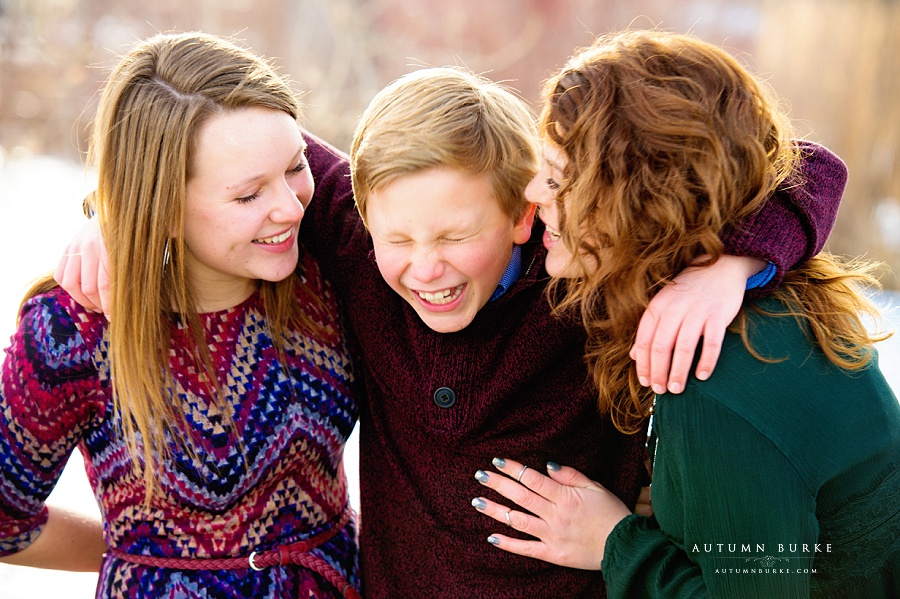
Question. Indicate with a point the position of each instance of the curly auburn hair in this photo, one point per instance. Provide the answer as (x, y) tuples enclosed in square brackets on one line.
[(669, 141)]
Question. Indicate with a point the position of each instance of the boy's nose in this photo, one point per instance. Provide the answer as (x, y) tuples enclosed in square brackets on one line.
[(427, 265)]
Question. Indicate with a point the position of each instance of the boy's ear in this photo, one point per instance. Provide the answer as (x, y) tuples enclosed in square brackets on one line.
[(522, 228)]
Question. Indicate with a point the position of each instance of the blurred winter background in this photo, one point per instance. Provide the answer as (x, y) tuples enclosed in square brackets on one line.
[(836, 63)]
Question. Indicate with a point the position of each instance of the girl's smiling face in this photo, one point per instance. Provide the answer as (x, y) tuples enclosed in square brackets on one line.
[(244, 202), (542, 191)]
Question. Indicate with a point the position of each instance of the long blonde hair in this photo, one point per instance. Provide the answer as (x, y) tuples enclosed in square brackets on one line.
[(143, 142), (669, 141)]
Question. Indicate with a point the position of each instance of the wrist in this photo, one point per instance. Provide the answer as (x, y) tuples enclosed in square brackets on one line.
[(745, 266)]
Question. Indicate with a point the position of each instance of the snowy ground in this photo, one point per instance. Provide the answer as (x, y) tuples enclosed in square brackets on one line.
[(40, 210)]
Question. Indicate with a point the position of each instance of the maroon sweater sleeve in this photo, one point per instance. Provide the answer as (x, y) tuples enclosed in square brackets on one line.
[(794, 224), (331, 222)]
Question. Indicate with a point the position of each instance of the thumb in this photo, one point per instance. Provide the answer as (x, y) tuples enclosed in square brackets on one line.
[(571, 477)]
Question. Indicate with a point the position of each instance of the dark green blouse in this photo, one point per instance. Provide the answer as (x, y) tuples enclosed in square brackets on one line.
[(770, 480)]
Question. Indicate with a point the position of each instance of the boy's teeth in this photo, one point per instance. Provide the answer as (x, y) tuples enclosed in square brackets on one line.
[(276, 239), (441, 297)]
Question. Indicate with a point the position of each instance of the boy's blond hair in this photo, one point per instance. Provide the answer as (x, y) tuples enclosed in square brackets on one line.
[(446, 117)]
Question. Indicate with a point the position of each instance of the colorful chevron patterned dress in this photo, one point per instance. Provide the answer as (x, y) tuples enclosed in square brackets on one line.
[(280, 483)]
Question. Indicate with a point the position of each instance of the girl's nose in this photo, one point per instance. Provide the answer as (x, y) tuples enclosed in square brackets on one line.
[(533, 189), (288, 207)]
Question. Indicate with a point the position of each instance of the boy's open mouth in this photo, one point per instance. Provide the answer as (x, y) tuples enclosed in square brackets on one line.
[(439, 298)]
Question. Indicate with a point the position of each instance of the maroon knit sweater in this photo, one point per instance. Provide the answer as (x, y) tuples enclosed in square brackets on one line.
[(519, 389)]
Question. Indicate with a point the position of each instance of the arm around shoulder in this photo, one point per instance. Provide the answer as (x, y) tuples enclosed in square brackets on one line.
[(331, 221), (796, 221)]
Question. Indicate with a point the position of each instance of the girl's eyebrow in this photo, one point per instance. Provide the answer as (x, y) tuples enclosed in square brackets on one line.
[(553, 164), (255, 178)]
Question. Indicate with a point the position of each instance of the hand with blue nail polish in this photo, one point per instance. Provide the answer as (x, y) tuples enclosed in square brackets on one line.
[(569, 514)]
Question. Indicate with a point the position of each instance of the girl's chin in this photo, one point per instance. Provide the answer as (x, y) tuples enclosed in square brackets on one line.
[(562, 267)]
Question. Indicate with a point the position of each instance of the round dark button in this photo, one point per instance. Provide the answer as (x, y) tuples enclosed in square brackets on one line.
[(444, 397)]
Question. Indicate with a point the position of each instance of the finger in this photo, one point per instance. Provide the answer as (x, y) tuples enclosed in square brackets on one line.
[(60, 270), (529, 492), (493, 510), (661, 352), (683, 355), (535, 549), (89, 265), (640, 351), (512, 518), (644, 495), (571, 477), (532, 479), (68, 275), (103, 282), (514, 469), (713, 335), (643, 506)]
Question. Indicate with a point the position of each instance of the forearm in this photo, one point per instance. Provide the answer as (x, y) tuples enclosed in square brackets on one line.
[(333, 197), (331, 226), (68, 541)]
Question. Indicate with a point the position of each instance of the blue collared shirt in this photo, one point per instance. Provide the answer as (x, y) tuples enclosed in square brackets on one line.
[(513, 270), (762, 277)]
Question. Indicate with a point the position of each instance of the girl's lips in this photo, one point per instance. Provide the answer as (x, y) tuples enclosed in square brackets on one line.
[(553, 232), (550, 238), (277, 243)]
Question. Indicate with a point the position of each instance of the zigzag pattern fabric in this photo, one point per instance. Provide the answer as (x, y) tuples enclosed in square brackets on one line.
[(277, 478)]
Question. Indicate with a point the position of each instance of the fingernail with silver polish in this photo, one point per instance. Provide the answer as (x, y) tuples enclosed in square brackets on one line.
[(499, 463), (493, 540), (479, 504), (553, 466), (481, 476)]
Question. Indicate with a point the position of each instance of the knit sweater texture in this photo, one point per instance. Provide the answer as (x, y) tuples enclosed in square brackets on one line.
[(281, 481), (518, 388)]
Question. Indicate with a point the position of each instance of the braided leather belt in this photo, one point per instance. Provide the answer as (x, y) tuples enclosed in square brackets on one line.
[(295, 553)]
